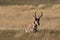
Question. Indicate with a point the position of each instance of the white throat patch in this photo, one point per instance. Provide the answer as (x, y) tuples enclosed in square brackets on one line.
[(36, 23)]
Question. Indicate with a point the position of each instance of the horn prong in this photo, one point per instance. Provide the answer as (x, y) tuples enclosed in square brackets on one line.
[(41, 14)]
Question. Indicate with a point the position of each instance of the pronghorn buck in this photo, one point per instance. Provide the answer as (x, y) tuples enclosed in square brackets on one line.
[(33, 26)]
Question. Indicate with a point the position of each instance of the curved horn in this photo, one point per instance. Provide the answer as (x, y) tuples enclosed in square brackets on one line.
[(41, 14), (34, 15)]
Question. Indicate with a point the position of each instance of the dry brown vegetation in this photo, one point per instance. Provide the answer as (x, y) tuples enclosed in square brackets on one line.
[(14, 15)]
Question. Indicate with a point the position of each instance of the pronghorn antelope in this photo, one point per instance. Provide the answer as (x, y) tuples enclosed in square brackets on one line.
[(33, 26)]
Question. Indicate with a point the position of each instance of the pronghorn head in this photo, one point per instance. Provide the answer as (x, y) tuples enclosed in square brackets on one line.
[(37, 18)]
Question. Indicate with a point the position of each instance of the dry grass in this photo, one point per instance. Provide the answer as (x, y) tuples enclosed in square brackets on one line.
[(16, 17), (13, 18), (19, 35)]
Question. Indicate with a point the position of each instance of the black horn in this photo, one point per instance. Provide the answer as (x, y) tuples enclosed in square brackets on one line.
[(35, 14), (41, 14)]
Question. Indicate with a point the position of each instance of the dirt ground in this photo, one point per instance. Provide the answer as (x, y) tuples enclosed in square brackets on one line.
[(14, 16)]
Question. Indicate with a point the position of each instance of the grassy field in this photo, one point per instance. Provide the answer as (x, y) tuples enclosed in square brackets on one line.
[(19, 35), (14, 15)]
